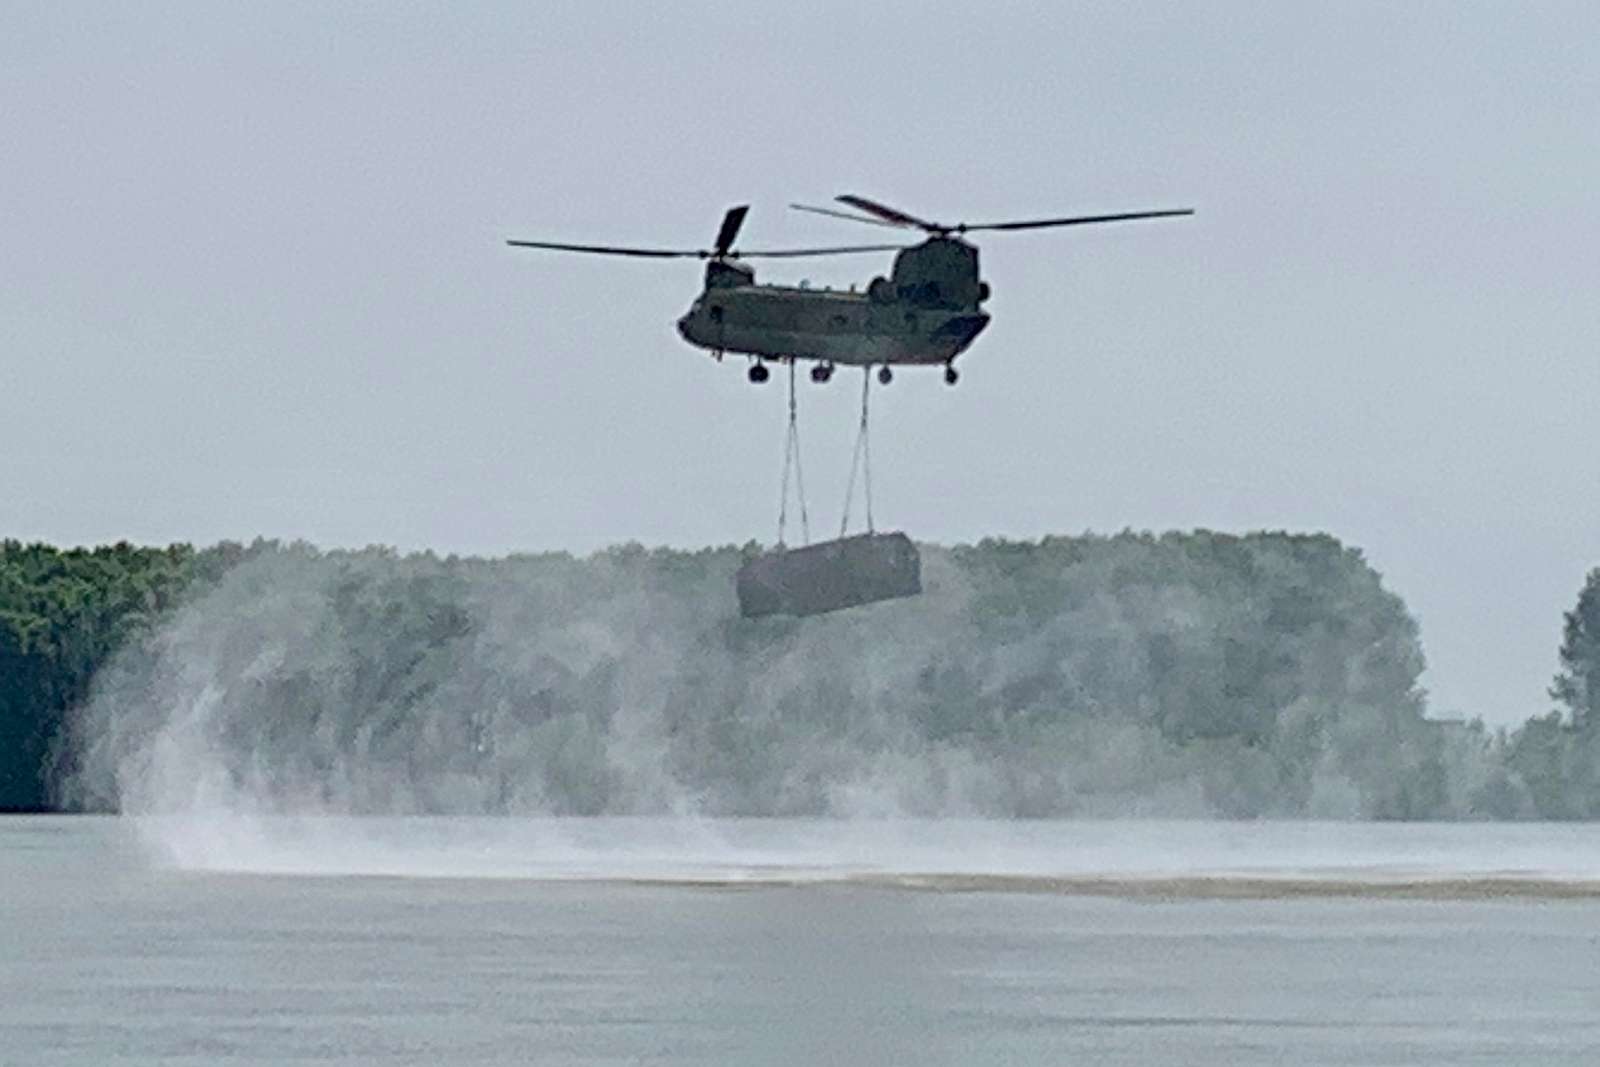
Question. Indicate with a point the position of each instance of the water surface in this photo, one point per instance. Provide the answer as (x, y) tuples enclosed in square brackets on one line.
[(679, 942)]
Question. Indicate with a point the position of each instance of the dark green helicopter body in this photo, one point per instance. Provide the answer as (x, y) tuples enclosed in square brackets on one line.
[(926, 312)]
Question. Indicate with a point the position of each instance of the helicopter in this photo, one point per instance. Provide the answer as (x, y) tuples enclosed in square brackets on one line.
[(926, 312)]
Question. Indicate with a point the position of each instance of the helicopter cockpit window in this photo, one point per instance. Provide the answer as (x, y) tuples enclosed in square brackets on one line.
[(716, 312)]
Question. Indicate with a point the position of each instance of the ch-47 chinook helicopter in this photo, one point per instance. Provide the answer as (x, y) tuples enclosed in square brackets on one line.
[(926, 312)]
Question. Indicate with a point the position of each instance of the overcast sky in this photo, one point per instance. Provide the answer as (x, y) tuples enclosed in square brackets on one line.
[(252, 280)]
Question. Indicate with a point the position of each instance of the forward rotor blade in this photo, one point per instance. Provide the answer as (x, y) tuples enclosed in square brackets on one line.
[(668, 253), (730, 228), (886, 213), (845, 215), (797, 253), (1077, 220), (607, 250)]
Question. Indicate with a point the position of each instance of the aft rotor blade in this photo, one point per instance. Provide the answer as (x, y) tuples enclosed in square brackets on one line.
[(796, 253), (888, 214), (1077, 220), (608, 250), (730, 228), (845, 215)]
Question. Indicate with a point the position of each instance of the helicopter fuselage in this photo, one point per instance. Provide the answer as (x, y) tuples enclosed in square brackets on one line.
[(927, 312)]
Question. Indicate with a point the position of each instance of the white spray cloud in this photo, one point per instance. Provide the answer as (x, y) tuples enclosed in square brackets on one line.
[(1072, 678)]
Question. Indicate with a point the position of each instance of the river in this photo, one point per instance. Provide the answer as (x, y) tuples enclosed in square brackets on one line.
[(682, 941)]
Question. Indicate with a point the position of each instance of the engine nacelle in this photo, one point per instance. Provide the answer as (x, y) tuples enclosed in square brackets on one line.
[(940, 272)]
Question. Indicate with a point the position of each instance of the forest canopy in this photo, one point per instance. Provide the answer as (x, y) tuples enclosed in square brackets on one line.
[(1268, 674)]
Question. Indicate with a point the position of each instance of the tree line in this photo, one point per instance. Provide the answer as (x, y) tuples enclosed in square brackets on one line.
[(1267, 674), (63, 614)]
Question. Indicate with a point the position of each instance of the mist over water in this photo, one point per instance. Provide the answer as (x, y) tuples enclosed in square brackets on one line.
[(1073, 857), (1097, 678)]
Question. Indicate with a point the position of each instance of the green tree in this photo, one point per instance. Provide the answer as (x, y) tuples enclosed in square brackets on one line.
[(1577, 684), (63, 614)]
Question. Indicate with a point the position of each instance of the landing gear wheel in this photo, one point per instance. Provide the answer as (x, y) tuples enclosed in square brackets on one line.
[(758, 373), (821, 372), (885, 375), (951, 375)]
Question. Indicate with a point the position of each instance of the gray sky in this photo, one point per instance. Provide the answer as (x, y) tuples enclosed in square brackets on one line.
[(252, 280)]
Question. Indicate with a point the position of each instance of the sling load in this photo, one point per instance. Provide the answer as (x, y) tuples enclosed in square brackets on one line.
[(847, 571), (925, 312)]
